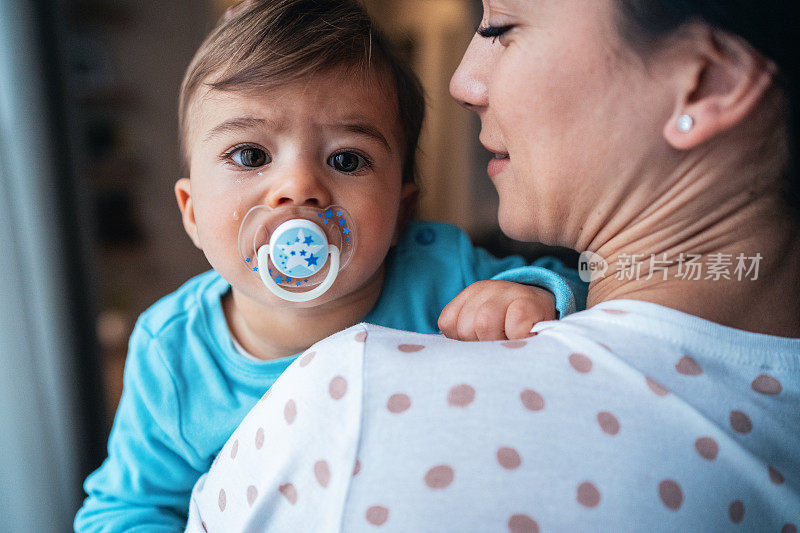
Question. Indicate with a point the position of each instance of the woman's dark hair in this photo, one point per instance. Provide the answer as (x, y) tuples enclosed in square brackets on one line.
[(770, 26)]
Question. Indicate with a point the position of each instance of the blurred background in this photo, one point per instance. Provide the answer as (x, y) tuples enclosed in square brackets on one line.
[(91, 234)]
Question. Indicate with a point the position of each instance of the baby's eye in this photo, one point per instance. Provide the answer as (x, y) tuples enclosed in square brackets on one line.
[(250, 156), (348, 162)]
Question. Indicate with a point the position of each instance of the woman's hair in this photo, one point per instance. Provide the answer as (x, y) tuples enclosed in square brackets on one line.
[(770, 26), (264, 44)]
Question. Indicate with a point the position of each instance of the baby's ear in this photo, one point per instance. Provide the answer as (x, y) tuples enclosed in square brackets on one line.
[(183, 193), (409, 200)]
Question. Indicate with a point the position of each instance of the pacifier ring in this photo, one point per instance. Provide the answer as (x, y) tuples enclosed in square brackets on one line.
[(305, 296), (297, 252)]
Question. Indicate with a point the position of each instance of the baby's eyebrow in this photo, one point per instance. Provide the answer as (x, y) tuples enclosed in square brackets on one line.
[(235, 124), (366, 130)]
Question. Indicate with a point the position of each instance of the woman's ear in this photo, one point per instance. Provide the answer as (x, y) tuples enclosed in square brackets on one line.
[(183, 193), (727, 83), (409, 199)]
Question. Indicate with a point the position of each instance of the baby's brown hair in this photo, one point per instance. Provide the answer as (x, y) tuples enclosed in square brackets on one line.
[(263, 43)]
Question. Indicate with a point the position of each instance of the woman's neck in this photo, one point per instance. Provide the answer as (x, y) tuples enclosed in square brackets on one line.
[(271, 333), (747, 275)]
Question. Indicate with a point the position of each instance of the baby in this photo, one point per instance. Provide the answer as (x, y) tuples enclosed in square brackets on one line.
[(299, 126)]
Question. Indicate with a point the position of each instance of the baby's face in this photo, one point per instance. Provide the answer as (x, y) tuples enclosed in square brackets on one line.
[(331, 140)]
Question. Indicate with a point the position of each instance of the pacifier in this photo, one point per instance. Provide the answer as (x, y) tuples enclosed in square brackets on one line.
[(297, 251)]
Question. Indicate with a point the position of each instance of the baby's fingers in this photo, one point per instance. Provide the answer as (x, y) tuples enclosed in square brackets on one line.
[(522, 314), (489, 321), (448, 318)]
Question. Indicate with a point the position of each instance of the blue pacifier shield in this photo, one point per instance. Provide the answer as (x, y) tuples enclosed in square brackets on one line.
[(298, 249)]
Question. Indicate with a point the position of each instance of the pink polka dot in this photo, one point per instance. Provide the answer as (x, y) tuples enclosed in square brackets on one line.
[(289, 492), (307, 358), (514, 344), (740, 422), (615, 311), (377, 515), (532, 400), (508, 458), (788, 527), (688, 367), (657, 388), (580, 362), (588, 495), (775, 476), (322, 472), (767, 385), (671, 494), (460, 395), (608, 422), (521, 523), (222, 499), (357, 468), (235, 449), (439, 477), (410, 348), (259, 438), (361, 336), (707, 448), (398, 403), (290, 411), (736, 511), (337, 387), (252, 494)]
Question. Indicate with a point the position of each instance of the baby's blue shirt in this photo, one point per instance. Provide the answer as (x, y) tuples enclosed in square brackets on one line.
[(186, 388)]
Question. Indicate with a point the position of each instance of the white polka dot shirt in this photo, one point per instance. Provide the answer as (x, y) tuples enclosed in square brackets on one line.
[(626, 417)]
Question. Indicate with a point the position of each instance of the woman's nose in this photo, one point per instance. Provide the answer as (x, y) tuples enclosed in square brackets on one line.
[(298, 185), (469, 82)]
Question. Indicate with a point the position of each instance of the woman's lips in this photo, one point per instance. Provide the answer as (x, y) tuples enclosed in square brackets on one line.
[(497, 164)]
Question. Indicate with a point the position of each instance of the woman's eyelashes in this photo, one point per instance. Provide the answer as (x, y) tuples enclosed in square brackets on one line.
[(493, 32)]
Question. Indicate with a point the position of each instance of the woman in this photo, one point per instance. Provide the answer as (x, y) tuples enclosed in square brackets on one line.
[(658, 135)]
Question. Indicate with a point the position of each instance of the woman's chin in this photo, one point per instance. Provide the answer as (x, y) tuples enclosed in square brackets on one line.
[(514, 226)]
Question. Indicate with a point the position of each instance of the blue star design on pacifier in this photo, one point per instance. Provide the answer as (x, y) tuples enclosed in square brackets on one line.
[(304, 253)]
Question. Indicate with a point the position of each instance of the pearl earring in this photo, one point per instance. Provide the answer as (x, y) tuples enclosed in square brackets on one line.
[(685, 123)]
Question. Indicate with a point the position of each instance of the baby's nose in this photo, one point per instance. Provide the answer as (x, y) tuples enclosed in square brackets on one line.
[(299, 185)]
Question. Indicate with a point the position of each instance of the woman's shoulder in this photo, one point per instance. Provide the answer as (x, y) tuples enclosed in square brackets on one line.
[(590, 424), (594, 413)]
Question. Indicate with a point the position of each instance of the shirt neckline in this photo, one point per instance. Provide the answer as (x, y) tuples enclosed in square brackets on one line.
[(223, 340), (707, 337)]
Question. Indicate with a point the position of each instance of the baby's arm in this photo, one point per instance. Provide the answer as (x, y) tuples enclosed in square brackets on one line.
[(496, 310), (146, 481), (505, 297)]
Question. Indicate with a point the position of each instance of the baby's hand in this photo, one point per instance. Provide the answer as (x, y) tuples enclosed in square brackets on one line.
[(496, 310)]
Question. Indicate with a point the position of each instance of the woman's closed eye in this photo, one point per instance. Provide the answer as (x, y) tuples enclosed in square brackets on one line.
[(493, 32), (349, 162)]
